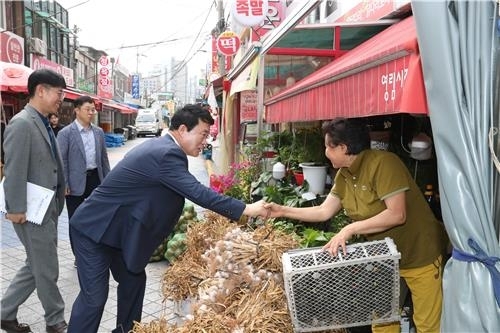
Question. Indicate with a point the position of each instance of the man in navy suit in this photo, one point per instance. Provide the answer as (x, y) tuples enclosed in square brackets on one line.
[(83, 152), (136, 206)]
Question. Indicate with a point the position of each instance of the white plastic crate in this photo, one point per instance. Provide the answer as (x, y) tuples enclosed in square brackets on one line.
[(326, 292)]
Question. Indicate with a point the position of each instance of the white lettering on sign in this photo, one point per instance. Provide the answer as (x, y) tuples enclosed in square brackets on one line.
[(373, 6), (393, 80)]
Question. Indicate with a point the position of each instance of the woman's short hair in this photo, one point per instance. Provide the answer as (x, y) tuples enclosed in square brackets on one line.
[(351, 132)]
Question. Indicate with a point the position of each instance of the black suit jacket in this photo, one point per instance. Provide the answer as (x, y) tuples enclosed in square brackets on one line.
[(141, 199)]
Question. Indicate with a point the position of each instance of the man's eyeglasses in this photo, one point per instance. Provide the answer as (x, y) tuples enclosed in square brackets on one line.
[(58, 91), (89, 110)]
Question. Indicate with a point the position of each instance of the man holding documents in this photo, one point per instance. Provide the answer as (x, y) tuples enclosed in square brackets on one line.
[(32, 156)]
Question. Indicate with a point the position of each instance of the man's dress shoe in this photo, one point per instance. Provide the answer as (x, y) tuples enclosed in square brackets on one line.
[(13, 326), (57, 328)]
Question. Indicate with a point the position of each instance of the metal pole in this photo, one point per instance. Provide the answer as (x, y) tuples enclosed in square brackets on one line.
[(260, 96), (221, 24)]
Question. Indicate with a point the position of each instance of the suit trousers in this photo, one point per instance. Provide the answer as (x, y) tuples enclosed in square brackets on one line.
[(95, 261), (40, 271), (73, 201)]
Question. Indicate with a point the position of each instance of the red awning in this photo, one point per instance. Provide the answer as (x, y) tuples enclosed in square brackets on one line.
[(72, 94), (14, 77), (123, 109), (381, 76)]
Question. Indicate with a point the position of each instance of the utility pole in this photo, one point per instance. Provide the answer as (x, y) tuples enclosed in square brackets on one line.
[(221, 27)]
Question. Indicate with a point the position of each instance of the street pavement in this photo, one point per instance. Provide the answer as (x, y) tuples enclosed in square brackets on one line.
[(31, 312)]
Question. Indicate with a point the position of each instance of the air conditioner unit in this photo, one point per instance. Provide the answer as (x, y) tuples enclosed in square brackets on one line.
[(38, 46), (356, 289)]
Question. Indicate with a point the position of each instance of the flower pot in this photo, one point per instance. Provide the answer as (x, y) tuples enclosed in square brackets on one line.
[(315, 175), (299, 177)]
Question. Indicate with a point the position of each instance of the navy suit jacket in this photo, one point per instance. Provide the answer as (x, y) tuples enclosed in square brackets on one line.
[(141, 199)]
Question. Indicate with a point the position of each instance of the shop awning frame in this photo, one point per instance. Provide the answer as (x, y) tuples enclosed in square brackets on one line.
[(122, 108), (351, 85)]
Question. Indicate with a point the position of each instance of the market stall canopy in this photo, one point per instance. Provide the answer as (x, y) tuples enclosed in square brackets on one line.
[(381, 76), (72, 94), (122, 108), (14, 77)]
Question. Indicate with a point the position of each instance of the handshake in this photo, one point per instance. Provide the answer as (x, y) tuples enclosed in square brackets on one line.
[(262, 209)]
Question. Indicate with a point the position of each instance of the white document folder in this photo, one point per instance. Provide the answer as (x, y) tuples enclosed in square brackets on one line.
[(38, 201)]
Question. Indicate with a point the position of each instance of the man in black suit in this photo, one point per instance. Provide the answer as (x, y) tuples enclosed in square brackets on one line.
[(137, 205)]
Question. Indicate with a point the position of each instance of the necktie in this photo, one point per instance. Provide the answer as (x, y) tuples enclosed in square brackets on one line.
[(52, 141)]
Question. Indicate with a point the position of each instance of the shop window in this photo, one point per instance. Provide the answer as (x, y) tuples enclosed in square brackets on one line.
[(248, 133)]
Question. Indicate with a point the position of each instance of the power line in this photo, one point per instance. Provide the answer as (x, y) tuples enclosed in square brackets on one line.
[(146, 44), (185, 61)]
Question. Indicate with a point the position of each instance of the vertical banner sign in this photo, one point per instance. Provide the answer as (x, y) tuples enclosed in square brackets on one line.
[(104, 84), (135, 86), (249, 13), (215, 60), (228, 43)]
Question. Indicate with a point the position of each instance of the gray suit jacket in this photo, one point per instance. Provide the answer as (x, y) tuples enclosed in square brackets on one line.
[(28, 158), (73, 156)]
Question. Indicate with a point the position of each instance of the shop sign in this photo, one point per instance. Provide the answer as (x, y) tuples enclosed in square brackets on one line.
[(38, 62), (11, 48), (135, 86), (215, 58), (366, 11), (104, 83), (393, 83), (248, 106), (276, 13), (228, 43), (249, 13)]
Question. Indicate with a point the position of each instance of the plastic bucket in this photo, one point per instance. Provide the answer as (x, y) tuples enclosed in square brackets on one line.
[(315, 176)]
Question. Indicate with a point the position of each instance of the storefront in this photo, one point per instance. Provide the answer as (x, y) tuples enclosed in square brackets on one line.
[(379, 77)]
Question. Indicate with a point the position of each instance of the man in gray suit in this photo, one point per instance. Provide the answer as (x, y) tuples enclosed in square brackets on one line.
[(31, 155), (83, 152)]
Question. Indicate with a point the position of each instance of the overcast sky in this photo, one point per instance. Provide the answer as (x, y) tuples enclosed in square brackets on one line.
[(170, 26)]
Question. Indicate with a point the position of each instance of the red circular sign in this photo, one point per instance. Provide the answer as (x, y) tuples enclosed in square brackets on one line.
[(104, 81), (103, 61), (15, 51), (228, 43), (104, 71)]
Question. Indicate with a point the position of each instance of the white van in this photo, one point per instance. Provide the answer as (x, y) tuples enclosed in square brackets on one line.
[(148, 122)]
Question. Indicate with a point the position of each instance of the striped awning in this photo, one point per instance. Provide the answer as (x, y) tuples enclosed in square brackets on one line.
[(381, 76)]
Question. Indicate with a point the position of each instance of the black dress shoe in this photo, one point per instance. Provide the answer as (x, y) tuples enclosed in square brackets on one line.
[(13, 326), (57, 328)]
